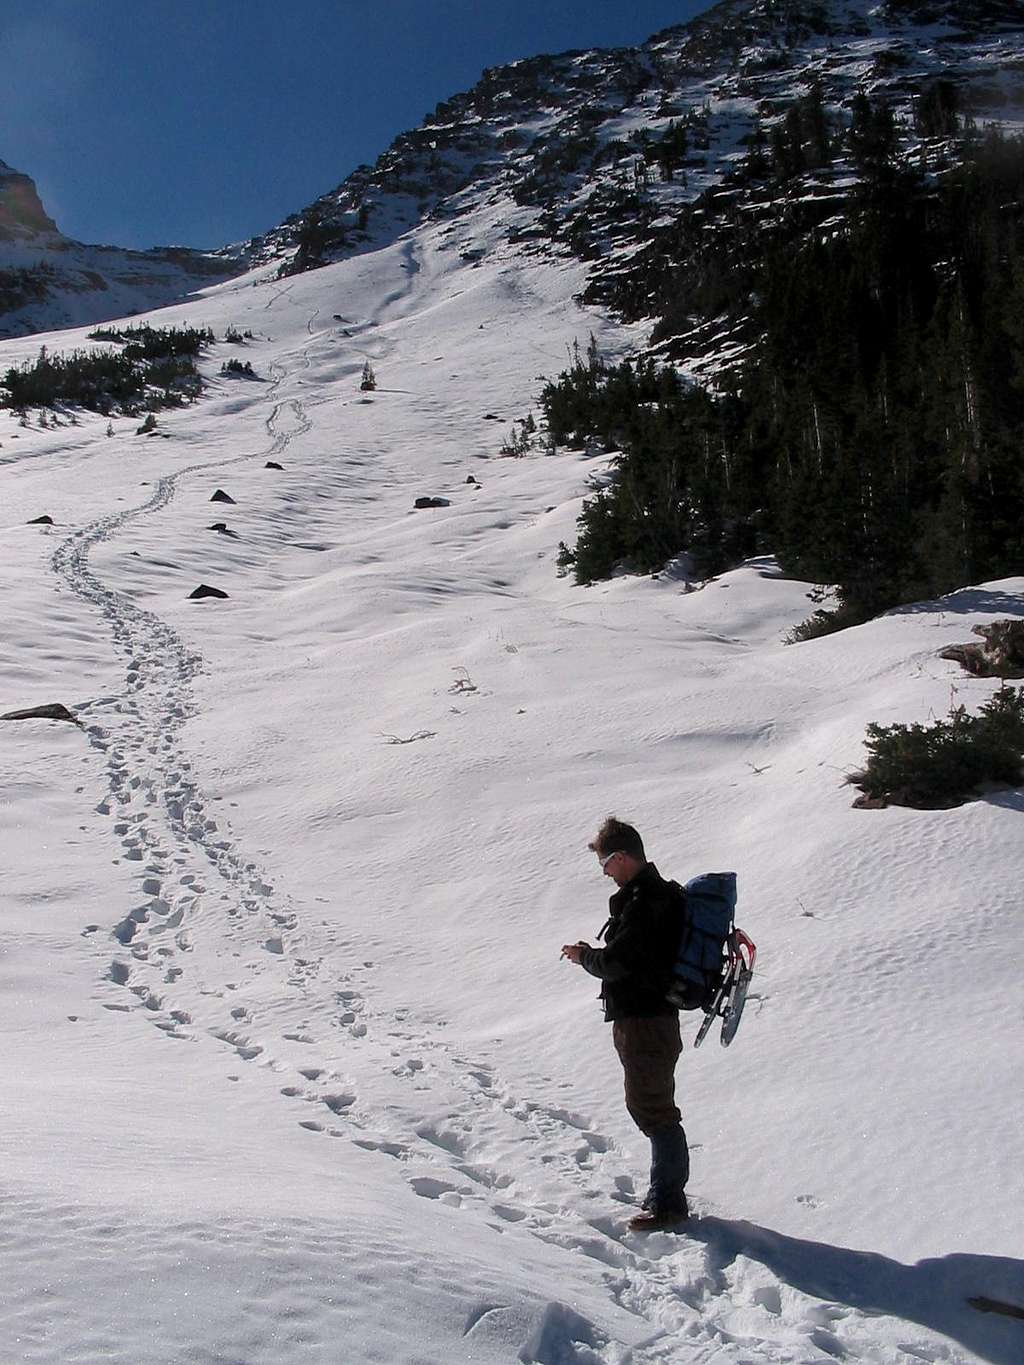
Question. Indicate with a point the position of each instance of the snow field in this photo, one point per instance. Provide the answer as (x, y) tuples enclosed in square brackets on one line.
[(301, 879)]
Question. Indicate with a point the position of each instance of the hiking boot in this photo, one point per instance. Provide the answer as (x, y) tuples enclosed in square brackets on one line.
[(660, 1220)]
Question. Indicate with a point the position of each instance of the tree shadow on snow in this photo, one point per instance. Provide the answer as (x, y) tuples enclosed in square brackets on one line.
[(933, 1293), (965, 603)]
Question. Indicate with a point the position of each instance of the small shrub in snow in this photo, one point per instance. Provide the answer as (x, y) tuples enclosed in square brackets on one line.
[(243, 368), (520, 442), (933, 766), (153, 367), (369, 380), (824, 621)]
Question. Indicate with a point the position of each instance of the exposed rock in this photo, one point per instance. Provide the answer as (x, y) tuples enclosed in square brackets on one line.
[(1000, 656), (40, 521), (431, 502), (218, 526), (471, 478), (221, 496), (492, 417), (21, 210), (52, 711), (204, 590), (272, 464)]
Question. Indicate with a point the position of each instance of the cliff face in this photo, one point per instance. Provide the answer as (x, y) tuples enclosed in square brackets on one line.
[(21, 210), (48, 281)]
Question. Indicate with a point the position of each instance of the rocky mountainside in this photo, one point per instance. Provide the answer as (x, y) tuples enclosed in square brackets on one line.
[(600, 155), (48, 281), (603, 154)]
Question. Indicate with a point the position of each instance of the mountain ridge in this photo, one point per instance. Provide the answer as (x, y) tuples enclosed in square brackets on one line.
[(563, 137)]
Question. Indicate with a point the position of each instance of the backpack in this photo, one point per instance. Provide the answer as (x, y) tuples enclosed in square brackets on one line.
[(715, 960), (708, 904)]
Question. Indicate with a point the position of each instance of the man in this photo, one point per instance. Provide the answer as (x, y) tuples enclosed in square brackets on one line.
[(635, 969)]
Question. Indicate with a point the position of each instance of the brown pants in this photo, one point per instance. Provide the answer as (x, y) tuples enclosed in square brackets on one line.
[(649, 1050)]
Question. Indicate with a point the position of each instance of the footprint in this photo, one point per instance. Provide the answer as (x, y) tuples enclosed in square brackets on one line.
[(510, 1215), (808, 1201), (338, 1104), (447, 1141), (429, 1188), (770, 1299), (394, 1149)]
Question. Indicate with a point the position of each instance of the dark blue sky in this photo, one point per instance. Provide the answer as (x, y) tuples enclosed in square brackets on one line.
[(201, 122)]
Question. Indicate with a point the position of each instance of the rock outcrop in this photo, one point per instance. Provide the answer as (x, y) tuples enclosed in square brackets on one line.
[(1001, 655), (21, 209)]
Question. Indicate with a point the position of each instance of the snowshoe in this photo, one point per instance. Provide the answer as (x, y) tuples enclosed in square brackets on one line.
[(731, 995)]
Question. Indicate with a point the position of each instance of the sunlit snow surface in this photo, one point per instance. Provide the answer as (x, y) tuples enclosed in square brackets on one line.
[(292, 1071)]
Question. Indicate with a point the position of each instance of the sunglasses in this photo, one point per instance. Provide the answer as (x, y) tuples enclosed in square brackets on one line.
[(606, 860)]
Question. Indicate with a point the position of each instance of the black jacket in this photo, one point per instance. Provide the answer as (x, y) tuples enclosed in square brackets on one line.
[(641, 942)]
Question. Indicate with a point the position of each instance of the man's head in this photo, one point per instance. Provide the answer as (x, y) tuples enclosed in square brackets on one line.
[(619, 849)]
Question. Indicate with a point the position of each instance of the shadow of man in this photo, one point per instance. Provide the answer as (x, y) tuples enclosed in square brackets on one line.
[(969, 1298)]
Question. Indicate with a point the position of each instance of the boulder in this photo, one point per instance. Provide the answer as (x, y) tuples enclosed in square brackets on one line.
[(204, 590), (1001, 655), (221, 496), (52, 711), (40, 521), (472, 479), (431, 502), (272, 464)]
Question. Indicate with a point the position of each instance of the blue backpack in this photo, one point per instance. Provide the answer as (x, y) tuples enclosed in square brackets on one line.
[(709, 907)]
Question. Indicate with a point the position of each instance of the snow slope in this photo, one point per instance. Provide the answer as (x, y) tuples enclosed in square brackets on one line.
[(292, 1070)]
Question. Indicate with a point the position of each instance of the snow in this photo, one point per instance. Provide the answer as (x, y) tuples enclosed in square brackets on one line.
[(292, 1069)]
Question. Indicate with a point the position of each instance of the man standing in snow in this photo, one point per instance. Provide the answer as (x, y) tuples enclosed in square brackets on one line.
[(635, 969)]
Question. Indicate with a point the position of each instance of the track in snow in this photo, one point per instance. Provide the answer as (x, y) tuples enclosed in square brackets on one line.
[(198, 890)]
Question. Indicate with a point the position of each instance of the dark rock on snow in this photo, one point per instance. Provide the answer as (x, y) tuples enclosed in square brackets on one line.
[(431, 502), (272, 464), (52, 711), (221, 496), (40, 521), (204, 590)]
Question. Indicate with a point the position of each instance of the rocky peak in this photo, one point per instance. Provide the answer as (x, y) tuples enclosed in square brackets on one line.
[(21, 210)]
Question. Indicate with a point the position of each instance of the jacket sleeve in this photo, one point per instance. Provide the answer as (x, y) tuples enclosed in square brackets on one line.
[(630, 953)]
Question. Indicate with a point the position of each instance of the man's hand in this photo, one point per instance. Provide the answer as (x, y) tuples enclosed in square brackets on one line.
[(572, 950)]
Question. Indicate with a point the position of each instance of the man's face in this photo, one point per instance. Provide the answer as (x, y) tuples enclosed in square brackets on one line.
[(616, 866)]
